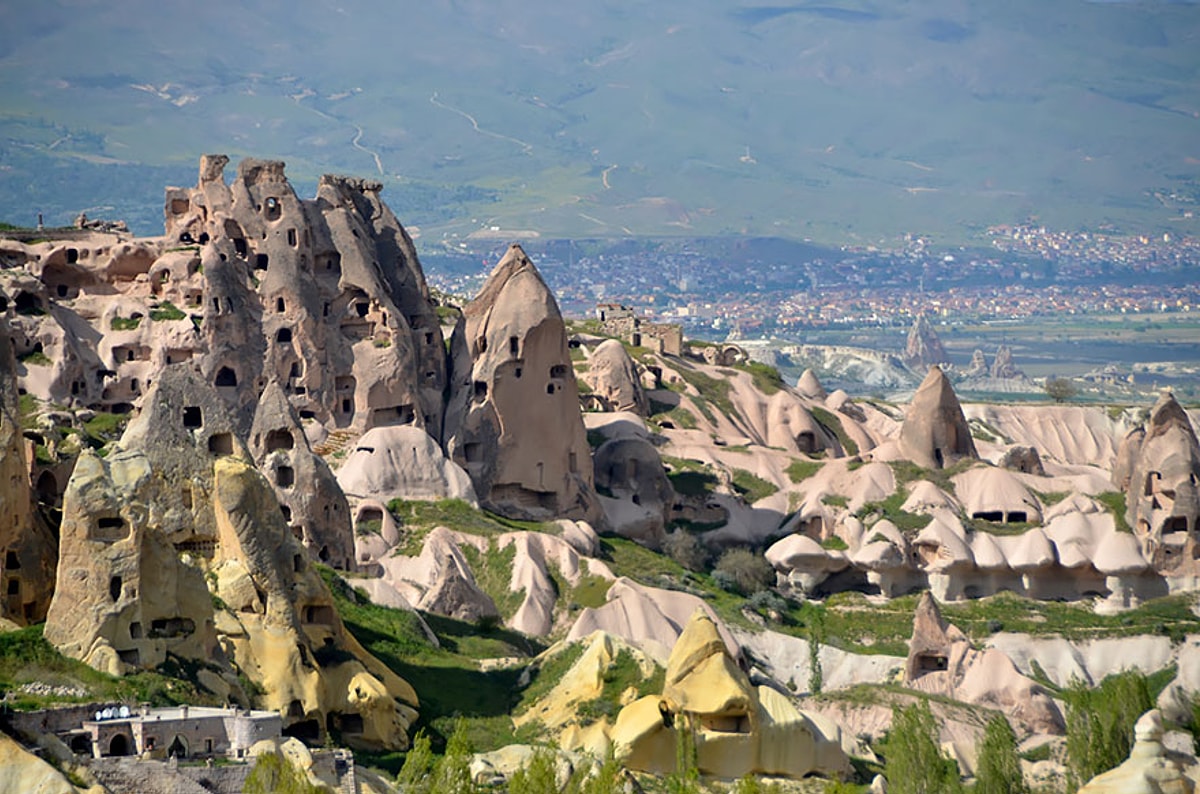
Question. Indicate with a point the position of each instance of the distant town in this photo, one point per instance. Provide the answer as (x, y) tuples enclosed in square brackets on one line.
[(713, 289)]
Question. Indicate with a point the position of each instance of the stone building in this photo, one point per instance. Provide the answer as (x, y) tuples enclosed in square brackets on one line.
[(181, 732)]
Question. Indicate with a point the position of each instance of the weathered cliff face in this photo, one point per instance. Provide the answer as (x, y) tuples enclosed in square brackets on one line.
[(308, 493), (1163, 493), (521, 437), (28, 551), (935, 433), (175, 544)]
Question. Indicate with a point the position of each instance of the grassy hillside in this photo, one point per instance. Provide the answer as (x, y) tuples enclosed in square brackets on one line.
[(846, 121)]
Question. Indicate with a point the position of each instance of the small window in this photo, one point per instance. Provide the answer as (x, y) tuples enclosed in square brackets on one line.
[(272, 209), (114, 588), (280, 439), (513, 345), (283, 336), (279, 305), (285, 476), (260, 261), (291, 235), (220, 443), (225, 377)]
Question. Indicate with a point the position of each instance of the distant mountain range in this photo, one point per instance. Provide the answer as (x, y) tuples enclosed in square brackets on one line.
[(845, 122)]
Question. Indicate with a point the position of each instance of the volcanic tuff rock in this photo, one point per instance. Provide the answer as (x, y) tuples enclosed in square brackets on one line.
[(923, 348), (308, 493), (1003, 366), (935, 433), (1148, 769), (739, 728), (1164, 487), (639, 497), (28, 552), (174, 543), (521, 437), (613, 378)]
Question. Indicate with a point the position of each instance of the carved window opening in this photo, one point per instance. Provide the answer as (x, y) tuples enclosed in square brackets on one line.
[(292, 239), (225, 377), (11, 562), (283, 336), (192, 417), (272, 209), (114, 588), (285, 476), (261, 261), (513, 345), (280, 439), (220, 443)]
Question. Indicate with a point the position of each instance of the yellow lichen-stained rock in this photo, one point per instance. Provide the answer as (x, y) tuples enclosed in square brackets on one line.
[(583, 682), (21, 771), (28, 553), (739, 729), (1148, 769), (175, 543)]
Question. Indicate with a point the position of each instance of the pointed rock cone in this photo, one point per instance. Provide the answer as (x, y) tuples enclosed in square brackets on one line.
[(935, 433)]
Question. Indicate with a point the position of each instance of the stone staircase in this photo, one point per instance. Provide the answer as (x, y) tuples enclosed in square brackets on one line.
[(335, 442)]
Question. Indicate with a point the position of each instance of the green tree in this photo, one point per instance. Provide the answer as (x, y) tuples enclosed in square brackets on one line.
[(816, 637), (686, 777), (1100, 723), (607, 778), (746, 571), (418, 764), (914, 761), (1060, 389), (539, 776), (999, 769), (452, 775), (274, 774)]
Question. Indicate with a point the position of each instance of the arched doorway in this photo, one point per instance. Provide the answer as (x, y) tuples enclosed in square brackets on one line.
[(178, 748), (120, 745)]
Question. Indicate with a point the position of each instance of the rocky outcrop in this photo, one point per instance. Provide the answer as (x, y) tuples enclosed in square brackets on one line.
[(978, 368), (521, 438), (174, 543), (935, 434), (634, 489), (28, 551), (402, 462), (809, 385), (309, 497), (941, 661), (739, 729), (923, 349), (613, 379), (1148, 768), (1003, 366), (24, 771), (1163, 494)]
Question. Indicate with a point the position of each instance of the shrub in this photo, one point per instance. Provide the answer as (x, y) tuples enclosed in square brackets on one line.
[(418, 763), (1060, 389), (539, 777), (749, 572), (274, 774), (999, 768), (166, 311), (686, 549), (915, 764), (1100, 723)]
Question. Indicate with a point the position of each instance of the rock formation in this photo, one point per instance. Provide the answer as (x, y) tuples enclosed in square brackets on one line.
[(1003, 366), (941, 661), (739, 728), (935, 433), (28, 551), (613, 379), (1164, 487), (978, 368), (309, 497), (923, 348), (175, 544), (636, 493), (1148, 769), (521, 437), (810, 386), (391, 462)]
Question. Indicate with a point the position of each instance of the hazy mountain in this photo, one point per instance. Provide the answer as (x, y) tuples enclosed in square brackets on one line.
[(840, 122)]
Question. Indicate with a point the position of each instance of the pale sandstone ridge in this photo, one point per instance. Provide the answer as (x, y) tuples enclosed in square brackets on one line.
[(1148, 770), (923, 349), (521, 437), (739, 728), (935, 433), (28, 552), (175, 544)]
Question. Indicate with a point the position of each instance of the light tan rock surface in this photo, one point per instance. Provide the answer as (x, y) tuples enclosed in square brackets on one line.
[(613, 377), (521, 438), (1148, 769), (22, 771), (28, 551), (1164, 490), (402, 462), (175, 543), (636, 494), (739, 728), (935, 433)]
